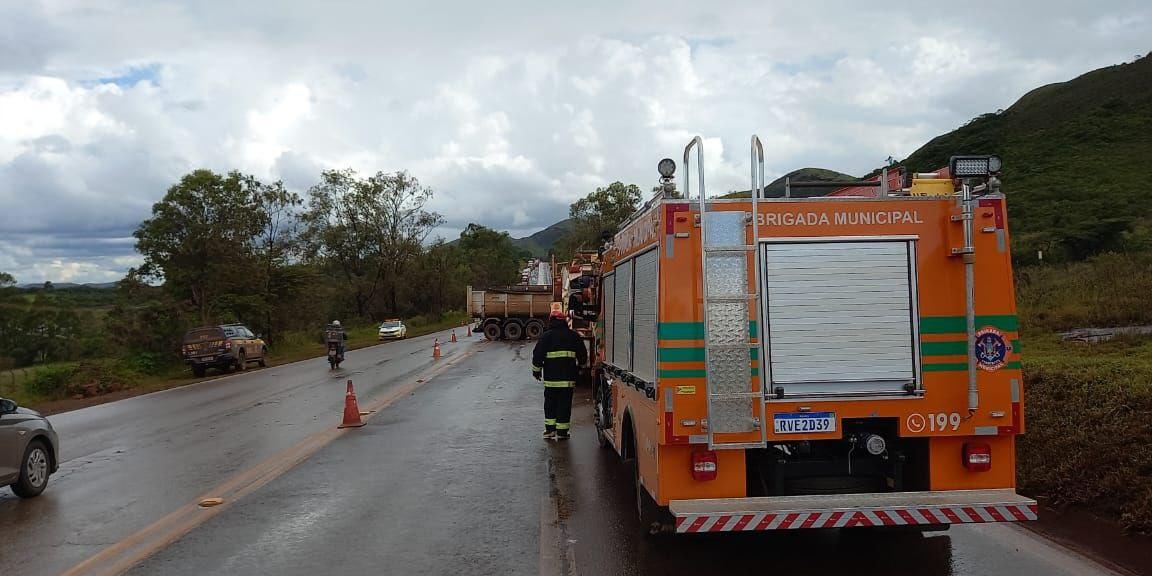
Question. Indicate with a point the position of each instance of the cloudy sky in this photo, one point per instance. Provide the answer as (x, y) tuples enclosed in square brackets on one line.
[(509, 110)]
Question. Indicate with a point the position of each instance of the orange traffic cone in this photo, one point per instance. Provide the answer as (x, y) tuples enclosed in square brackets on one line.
[(453, 336), (351, 410), (436, 350)]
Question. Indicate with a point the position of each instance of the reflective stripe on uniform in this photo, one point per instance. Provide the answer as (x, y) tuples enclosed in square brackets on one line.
[(537, 368), (549, 421), (561, 354), (563, 425), (559, 383)]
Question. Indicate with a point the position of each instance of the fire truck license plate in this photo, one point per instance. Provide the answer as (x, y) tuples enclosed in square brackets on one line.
[(804, 422)]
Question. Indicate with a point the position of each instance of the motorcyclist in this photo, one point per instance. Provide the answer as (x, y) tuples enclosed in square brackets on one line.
[(335, 325)]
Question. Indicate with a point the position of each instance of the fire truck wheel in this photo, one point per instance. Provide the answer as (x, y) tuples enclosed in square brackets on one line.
[(533, 329), (653, 521), (492, 331)]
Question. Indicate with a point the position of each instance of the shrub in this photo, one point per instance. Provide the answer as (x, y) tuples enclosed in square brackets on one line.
[(50, 382), (1089, 428)]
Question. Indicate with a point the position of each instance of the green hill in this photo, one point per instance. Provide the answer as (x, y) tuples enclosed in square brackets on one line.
[(1077, 162), (541, 242), (775, 189)]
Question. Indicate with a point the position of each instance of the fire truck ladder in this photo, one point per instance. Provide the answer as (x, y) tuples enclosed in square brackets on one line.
[(735, 402)]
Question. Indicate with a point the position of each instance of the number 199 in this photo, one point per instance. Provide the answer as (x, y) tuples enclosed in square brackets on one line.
[(941, 421)]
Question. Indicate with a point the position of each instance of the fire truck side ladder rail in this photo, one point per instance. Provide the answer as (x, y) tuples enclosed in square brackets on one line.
[(727, 251)]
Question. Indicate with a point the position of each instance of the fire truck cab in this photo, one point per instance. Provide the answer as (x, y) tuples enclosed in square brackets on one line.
[(827, 362)]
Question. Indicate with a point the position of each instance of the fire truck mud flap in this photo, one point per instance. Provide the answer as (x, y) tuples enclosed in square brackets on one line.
[(851, 510)]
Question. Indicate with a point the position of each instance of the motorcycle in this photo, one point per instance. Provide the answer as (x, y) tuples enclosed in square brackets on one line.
[(335, 339)]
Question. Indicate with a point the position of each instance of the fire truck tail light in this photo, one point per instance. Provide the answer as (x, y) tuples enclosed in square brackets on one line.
[(704, 465), (977, 457)]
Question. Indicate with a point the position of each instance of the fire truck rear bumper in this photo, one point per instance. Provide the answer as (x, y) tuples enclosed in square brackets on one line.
[(851, 510)]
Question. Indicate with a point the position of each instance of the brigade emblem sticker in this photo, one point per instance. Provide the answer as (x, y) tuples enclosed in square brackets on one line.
[(991, 349)]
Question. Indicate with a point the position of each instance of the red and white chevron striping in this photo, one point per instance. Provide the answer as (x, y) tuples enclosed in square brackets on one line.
[(693, 523)]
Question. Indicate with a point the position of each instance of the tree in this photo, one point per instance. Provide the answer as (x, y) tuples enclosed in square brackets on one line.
[(6, 281), (370, 230), (276, 246), (437, 280), (200, 240), (598, 213), (490, 256)]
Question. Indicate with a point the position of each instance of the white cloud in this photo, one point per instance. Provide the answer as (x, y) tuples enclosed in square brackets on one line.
[(510, 111)]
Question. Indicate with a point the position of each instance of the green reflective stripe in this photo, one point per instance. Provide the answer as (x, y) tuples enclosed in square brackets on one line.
[(959, 348), (537, 368), (963, 366), (563, 425), (692, 354), (945, 367), (559, 383), (958, 324), (561, 354), (689, 330), (953, 348), (549, 421)]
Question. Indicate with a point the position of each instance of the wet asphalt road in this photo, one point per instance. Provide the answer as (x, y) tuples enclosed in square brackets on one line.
[(452, 478), (128, 463)]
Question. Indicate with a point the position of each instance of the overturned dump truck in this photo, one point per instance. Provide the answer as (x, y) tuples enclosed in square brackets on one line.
[(511, 312)]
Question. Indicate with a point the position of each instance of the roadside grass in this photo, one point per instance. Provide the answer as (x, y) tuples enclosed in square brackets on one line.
[(1088, 411), (1105, 291), (65, 385)]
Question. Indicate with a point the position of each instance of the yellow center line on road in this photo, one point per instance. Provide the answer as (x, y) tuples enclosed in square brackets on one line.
[(123, 555)]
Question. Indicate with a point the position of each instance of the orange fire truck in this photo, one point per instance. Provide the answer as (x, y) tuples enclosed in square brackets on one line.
[(788, 363)]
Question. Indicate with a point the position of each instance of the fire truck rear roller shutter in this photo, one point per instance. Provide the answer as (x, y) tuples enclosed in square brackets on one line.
[(840, 316)]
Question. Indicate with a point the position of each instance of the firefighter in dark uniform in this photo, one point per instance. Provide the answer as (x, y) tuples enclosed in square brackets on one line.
[(556, 361)]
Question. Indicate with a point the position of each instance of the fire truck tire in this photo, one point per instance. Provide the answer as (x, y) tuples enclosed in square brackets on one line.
[(654, 520), (533, 329), (513, 330), (492, 331)]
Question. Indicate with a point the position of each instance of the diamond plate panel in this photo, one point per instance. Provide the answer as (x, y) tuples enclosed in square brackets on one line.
[(725, 229), (727, 275), (731, 415), (729, 370), (727, 323)]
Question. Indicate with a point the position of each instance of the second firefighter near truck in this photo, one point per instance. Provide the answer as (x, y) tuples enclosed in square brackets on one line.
[(556, 362)]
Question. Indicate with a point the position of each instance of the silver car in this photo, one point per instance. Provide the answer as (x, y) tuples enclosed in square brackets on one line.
[(28, 450)]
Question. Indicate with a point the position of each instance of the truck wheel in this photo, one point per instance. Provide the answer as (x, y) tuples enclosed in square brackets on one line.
[(241, 362), (492, 331), (602, 411), (652, 516), (533, 329), (513, 330)]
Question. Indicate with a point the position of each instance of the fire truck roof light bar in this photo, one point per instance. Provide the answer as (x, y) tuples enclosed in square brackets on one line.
[(974, 166)]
